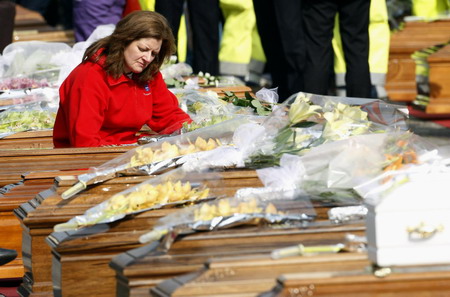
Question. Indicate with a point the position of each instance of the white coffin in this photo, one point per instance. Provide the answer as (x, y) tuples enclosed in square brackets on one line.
[(411, 224)]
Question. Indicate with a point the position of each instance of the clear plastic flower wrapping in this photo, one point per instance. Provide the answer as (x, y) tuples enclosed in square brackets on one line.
[(255, 207), (157, 156), (171, 189)]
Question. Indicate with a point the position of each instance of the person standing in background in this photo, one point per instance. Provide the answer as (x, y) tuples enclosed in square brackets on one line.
[(88, 14), (379, 35), (7, 15), (280, 27), (241, 52), (430, 9), (204, 19), (319, 19)]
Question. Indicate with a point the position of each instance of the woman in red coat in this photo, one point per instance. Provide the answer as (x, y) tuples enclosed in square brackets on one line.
[(118, 87)]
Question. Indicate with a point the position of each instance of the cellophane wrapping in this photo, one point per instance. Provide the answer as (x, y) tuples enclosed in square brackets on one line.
[(271, 206), (405, 159), (171, 189), (298, 125), (365, 165), (38, 114), (23, 96), (38, 60), (166, 153)]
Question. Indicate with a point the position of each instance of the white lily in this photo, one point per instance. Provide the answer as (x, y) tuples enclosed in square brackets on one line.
[(301, 110)]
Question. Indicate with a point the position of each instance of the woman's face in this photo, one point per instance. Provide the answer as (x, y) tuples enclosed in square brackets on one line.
[(140, 53)]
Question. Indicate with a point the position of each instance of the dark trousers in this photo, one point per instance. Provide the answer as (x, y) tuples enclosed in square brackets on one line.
[(204, 19), (7, 15), (318, 17), (279, 24)]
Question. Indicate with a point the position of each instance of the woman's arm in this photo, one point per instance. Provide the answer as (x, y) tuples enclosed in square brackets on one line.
[(83, 102)]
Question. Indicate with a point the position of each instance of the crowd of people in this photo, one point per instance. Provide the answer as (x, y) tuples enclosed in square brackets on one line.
[(293, 41), (243, 38)]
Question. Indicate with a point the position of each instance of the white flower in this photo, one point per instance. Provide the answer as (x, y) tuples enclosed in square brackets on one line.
[(212, 94), (301, 109)]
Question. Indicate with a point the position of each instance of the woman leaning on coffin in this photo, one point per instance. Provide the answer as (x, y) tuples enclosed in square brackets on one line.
[(118, 87)]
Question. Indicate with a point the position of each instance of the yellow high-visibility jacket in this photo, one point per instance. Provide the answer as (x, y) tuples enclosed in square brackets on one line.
[(430, 9), (241, 52)]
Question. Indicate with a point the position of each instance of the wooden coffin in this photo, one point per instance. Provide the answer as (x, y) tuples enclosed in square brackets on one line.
[(18, 185), (37, 225), (26, 19), (28, 140), (439, 81), (15, 163), (239, 91), (139, 270), (341, 274), (37, 218), (421, 281), (417, 35), (65, 36), (30, 25), (254, 275), (10, 231)]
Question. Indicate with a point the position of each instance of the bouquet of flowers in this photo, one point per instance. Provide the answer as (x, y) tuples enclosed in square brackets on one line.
[(155, 157), (406, 158), (39, 115), (167, 190), (270, 207), (310, 120)]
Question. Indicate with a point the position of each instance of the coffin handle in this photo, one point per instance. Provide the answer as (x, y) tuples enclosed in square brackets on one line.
[(424, 231)]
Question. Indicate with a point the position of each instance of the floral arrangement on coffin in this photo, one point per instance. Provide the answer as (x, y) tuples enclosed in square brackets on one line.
[(157, 156), (171, 189), (208, 108), (304, 125), (20, 83), (299, 125), (17, 120), (344, 167), (269, 207), (148, 159), (37, 115), (405, 158), (185, 79)]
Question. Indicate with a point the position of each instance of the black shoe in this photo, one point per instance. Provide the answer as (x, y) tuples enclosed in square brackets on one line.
[(7, 256)]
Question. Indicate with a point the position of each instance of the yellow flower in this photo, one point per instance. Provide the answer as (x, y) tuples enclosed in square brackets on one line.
[(344, 121), (301, 110), (352, 112)]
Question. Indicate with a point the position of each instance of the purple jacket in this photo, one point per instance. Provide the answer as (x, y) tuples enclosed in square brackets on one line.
[(88, 14)]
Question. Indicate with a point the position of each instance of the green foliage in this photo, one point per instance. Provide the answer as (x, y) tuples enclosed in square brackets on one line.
[(247, 101), (175, 83)]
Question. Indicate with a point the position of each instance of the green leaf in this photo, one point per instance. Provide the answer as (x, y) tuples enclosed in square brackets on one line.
[(261, 111), (256, 103), (248, 96), (305, 124)]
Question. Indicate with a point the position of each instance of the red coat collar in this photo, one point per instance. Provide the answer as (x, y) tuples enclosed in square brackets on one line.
[(101, 61)]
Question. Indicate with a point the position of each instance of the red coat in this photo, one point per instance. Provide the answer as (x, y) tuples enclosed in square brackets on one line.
[(96, 110)]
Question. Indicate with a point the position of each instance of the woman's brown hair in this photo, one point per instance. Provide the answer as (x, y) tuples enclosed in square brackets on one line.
[(136, 25)]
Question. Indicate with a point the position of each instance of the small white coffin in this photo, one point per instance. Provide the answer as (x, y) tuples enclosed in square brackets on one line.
[(409, 224)]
